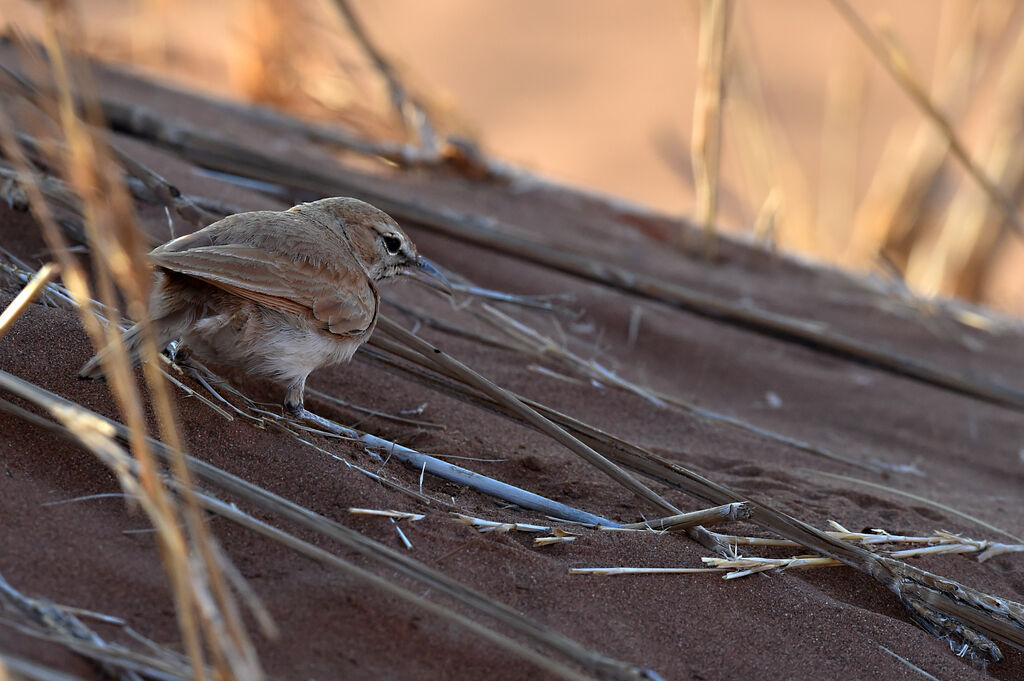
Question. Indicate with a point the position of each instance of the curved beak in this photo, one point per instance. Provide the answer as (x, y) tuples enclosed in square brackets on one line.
[(427, 273)]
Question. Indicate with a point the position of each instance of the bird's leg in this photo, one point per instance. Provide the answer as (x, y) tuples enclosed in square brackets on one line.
[(327, 425), (293, 399)]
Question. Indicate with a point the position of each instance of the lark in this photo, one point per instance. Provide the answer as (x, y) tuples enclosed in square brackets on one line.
[(279, 294)]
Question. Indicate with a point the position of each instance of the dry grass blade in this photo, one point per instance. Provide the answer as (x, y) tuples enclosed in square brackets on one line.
[(840, 144), (971, 231), (53, 189), (417, 423), (907, 175), (609, 571), (918, 498), (507, 399), (558, 537), (774, 180), (208, 617), (939, 542), (910, 664), (707, 115), (600, 665), (904, 580), (485, 526), (12, 668), (26, 296), (164, 191), (52, 622), (742, 566), (898, 66), (529, 340), (412, 113), (394, 515), (447, 471)]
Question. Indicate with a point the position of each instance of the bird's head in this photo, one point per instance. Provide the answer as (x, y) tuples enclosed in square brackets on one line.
[(378, 243)]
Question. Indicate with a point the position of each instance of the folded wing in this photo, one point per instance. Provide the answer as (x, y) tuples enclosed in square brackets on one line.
[(342, 301)]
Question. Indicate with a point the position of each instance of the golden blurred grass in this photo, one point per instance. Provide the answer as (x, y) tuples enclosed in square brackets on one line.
[(913, 207), (119, 277)]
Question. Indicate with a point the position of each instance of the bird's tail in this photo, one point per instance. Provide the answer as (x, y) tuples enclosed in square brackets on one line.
[(131, 339)]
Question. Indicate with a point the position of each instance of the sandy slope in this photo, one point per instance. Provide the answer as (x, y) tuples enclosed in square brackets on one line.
[(812, 625)]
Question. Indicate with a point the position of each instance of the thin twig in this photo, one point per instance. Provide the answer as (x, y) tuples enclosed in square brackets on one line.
[(409, 109)]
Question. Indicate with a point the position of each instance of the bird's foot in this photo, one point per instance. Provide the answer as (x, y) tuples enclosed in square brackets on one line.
[(296, 409), (177, 351)]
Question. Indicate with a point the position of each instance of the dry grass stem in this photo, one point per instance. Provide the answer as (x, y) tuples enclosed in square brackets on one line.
[(207, 619), (413, 114), (485, 526), (46, 620), (769, 165), (12, 668), (26, 296), (897, 64), (939, 542), (906, 176), (401, 535), (394, 418), (742, 566), (844, 106), (970, 232), (707, 114), (453, 367), (557, 537), (924, 500), (610, 571), (489, 486), (528, 340), (394, 515), (684, 521), (910, 664), (533, 341)]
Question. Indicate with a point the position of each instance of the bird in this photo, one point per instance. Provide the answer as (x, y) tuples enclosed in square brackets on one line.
[(277, 293)]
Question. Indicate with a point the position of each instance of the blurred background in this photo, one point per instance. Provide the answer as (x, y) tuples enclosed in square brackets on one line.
[(823, 152)]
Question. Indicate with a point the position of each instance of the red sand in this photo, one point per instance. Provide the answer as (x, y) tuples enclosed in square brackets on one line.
[(828, 623)]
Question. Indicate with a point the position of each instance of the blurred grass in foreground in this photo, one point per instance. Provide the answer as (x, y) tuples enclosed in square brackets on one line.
[(913, 214)]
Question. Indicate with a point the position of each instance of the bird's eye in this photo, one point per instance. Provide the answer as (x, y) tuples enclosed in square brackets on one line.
[(392, 243)]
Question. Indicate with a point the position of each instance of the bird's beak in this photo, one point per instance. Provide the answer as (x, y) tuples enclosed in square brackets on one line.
[(427, 273)]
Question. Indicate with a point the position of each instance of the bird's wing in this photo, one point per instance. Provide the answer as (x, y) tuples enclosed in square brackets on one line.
[(341, 300)]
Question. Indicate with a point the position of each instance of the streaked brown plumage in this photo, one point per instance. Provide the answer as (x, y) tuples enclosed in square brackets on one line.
[(277, 293)]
